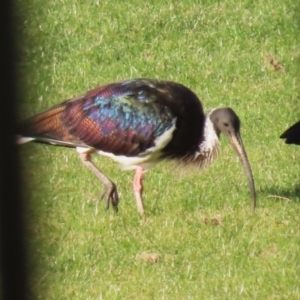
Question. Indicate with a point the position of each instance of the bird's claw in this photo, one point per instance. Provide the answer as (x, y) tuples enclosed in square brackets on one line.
[(110, 196)]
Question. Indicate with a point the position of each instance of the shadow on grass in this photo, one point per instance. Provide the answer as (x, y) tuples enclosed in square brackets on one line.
[(282, 194)]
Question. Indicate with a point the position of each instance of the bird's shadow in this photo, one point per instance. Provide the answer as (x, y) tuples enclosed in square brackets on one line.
[(282, 194)]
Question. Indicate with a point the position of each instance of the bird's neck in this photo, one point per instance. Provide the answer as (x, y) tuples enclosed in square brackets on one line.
[(210, 135), (209, 147)]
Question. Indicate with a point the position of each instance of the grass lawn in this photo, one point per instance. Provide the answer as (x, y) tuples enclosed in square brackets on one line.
[(199, 239)]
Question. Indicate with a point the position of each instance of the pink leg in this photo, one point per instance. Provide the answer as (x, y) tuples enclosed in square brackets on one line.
[(138, 189)]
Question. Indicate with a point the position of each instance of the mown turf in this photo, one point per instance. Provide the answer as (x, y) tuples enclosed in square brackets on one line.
[(199, 239)]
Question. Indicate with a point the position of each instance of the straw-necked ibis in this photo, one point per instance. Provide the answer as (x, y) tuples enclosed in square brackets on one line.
[(292, 134), (138, 123)]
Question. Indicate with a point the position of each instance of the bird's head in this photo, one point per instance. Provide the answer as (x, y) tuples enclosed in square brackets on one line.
[(226, 121)]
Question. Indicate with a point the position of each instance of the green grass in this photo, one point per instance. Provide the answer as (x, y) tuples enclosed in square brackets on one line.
[(210, 244)]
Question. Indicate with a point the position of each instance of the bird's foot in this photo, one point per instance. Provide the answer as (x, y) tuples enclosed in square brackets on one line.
[(110, 196)]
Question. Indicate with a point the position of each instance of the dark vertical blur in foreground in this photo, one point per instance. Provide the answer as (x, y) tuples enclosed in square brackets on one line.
[(14, 279)]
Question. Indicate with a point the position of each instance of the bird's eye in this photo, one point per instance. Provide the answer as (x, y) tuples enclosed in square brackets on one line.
[(226, 124)]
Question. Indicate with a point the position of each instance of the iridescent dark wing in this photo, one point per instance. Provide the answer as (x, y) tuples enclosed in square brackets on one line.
[(121, 118)]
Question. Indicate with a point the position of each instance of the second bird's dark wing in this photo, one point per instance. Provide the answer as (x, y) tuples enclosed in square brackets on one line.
[(292, 135)]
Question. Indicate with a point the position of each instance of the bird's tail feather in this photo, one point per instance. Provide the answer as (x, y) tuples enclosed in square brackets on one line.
[(47, 127)]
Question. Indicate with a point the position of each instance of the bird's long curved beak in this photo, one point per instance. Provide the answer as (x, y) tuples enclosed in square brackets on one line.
[(238, 146)]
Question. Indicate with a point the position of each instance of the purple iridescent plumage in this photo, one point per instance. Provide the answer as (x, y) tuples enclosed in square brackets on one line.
[(123, 118)]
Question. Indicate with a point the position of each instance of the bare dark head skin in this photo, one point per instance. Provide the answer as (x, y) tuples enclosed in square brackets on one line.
[(227, 122)]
